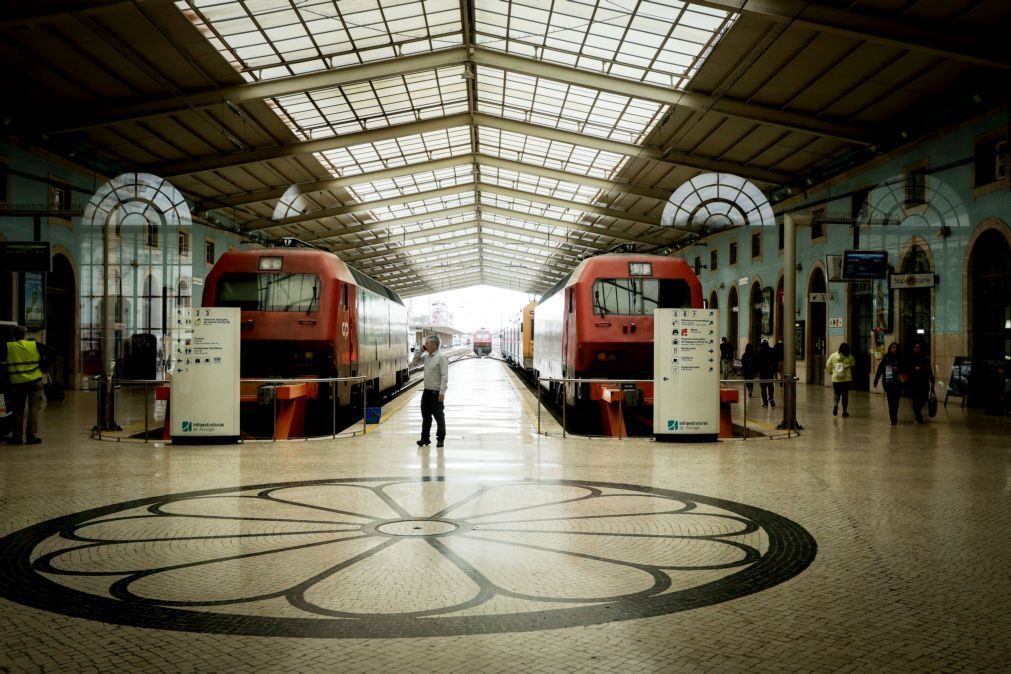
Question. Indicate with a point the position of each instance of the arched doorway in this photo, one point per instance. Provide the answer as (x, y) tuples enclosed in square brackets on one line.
[(817, 312), (61, 328), (755, 313), (914, 303), (713, 301), (990, 297), (732, 315)]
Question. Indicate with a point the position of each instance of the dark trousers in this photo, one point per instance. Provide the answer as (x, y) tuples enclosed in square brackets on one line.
[(894, 394), (30, 393), (841, 389), (431, 406), (768, 393), (919, 395)]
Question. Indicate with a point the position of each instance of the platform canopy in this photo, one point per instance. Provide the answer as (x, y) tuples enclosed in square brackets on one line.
[(439, 144)]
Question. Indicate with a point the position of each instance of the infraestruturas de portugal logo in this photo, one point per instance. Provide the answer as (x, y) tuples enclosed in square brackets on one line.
[(187, 427), (672, 424)]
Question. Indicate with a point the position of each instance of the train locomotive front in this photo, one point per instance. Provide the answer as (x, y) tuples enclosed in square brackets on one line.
[(305, 313), (597, 323), (482, 342)]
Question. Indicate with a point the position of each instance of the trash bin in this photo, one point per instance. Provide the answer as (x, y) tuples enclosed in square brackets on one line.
[(373, 415), (142, 358)]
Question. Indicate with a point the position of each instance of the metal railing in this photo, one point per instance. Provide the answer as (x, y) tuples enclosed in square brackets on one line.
[(107, 428), (728, 383)]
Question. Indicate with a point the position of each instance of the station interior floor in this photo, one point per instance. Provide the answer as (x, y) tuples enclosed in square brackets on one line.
[(857, 546)]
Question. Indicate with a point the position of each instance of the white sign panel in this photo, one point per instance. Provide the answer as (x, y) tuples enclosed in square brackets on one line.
[(205, 380), (686, 372)]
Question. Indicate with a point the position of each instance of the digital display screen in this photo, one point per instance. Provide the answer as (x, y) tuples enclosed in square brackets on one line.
[(865, 264), (640, 269)]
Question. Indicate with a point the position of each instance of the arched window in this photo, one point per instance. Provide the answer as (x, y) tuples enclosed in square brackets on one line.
[(990, 297)]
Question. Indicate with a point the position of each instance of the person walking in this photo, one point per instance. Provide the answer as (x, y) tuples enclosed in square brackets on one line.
[(840, 365), (24, 361), (921, 379), (890, 371), (434, 395), (765, 361), (748, 368), (726, 358)]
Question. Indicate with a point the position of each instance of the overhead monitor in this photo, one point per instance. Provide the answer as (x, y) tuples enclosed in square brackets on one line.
[(865, 264)]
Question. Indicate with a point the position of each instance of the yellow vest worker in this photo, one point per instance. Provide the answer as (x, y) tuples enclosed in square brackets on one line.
[(22, 363)]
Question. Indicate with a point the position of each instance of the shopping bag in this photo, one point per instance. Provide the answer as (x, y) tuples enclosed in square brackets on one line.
[(932, 404)]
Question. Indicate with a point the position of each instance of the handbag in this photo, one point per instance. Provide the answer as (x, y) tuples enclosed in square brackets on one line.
[(932, 404)]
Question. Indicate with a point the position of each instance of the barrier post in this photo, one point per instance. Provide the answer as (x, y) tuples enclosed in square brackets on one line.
[(145, 410)]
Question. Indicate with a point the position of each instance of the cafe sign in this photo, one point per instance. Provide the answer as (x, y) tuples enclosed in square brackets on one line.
[(905, 281)]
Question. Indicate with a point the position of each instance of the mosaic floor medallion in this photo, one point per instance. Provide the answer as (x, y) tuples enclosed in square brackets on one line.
[(399, 557)]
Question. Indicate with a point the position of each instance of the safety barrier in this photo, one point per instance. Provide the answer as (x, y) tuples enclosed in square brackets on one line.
[(131, 401)]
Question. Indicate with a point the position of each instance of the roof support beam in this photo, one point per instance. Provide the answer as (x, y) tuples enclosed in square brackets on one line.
[(438, 164), (540, 238), (407, 220), (552, 222), (472, 245), (936, 40), (480, 56), (653, 152), (350, 209)]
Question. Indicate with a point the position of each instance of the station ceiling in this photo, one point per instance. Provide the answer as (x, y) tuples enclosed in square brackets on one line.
[(441, 144)]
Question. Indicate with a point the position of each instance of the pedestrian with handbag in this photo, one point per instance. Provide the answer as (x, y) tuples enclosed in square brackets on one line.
[(890, 371), (840, 365), (921, 379)]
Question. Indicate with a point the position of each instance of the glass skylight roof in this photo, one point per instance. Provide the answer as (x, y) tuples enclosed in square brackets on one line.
[(539, 185), (549, 153), (401, 151), (266, 39), (412, 184), (660, 42), (564, 106)]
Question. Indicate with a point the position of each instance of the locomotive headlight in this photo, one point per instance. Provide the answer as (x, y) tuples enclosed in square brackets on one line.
[(605, 356), (272, 263), (309, 355)]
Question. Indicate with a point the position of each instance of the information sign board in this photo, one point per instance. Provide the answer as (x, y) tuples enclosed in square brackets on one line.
[(205, 380), (686, 390), (25, 256)]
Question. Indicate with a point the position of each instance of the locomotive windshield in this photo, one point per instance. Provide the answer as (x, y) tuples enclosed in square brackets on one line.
[(269, 292), (639, 296)]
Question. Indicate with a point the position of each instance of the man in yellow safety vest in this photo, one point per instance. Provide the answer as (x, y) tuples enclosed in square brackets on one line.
[(24, 360)]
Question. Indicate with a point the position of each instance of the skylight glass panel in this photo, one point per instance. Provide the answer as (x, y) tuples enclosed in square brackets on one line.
[(533, 208), (656, 41), (411, 184), (425, 206), (266, 39), (539, 185), (550, 153), (400, 151), (564, 106), (374, 104)]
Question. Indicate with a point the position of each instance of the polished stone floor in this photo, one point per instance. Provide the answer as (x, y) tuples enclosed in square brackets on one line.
[(857, 546)]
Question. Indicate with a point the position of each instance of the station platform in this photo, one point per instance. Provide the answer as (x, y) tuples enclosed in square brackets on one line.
[(856, 546)]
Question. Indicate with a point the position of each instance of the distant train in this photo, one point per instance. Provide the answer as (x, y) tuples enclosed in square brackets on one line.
[(482, 342), (517, 344), (597, 322), (305, 313)]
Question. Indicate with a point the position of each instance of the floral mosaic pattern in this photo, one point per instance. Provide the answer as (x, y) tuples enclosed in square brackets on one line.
[(401, 557)]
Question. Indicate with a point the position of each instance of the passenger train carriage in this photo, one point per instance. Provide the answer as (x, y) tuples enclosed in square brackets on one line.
[(597, 322), (518, 340), (305, 313)]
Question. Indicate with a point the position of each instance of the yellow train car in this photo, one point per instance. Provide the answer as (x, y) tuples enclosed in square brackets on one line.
[(518, 339)]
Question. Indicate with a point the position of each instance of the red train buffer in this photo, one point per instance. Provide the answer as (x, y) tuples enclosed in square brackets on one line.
[(617, 403)]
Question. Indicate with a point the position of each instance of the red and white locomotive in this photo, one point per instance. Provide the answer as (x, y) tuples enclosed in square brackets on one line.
[(305, 313), (597, 322), (482, 342)]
